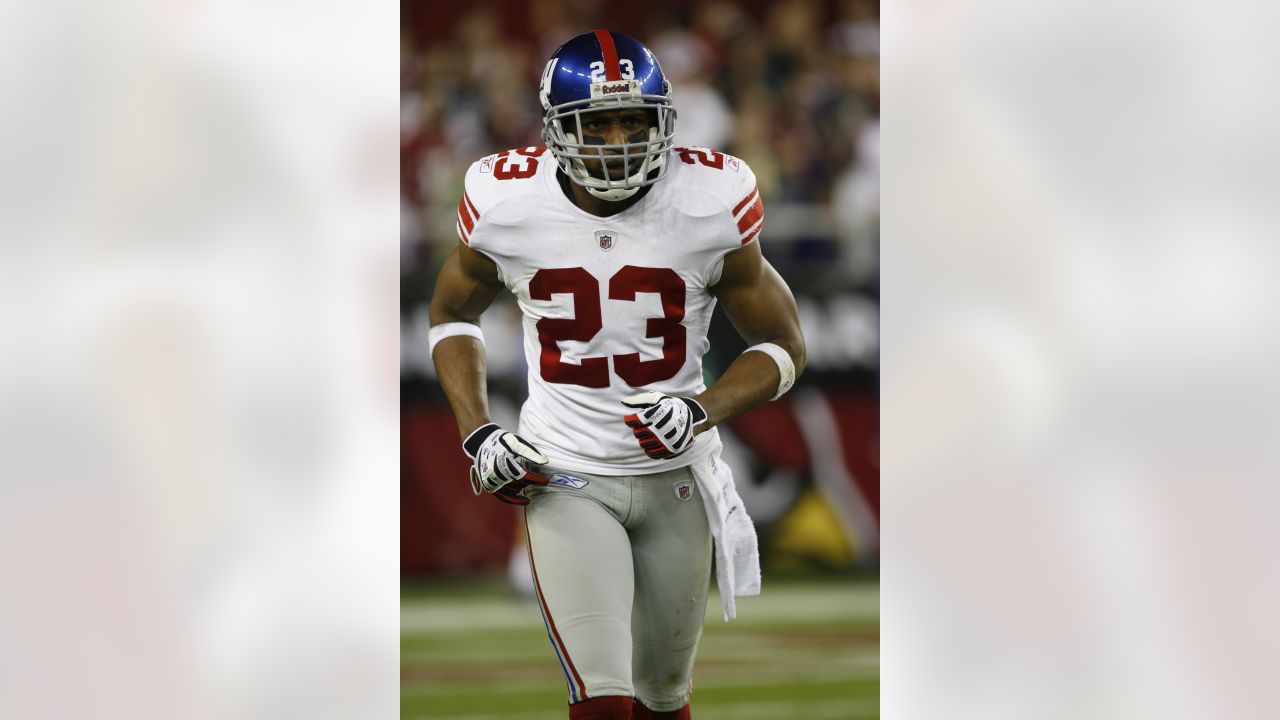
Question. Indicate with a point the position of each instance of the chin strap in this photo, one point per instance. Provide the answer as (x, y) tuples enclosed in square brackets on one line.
[(614, 194)]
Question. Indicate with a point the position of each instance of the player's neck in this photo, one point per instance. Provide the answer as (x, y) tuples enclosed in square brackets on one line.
[(579, 196)]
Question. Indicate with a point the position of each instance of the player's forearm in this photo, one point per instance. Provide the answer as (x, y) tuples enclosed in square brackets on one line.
[(460, 366), (750, 381)]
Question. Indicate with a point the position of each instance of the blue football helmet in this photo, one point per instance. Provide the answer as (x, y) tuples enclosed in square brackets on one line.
[(600, 71)]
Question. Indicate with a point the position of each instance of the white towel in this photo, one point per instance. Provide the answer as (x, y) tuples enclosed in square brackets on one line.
[(737, 550)]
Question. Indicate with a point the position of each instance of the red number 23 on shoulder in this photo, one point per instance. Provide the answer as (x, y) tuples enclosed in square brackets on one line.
[(503, 170)]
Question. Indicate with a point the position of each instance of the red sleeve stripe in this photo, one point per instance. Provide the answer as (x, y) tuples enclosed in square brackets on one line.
[(753, 215), (464, 214), (463, 235), (745, 200), (474, 212), (610, 52), (747, 238)]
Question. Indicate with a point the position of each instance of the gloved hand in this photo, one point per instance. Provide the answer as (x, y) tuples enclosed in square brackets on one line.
[(663, 424), (500, 463)]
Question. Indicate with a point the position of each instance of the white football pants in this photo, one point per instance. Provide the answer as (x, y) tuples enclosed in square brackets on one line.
[(621, 569)]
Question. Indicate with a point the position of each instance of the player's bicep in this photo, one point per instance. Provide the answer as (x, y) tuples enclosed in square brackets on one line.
[(758, 302), (467, 284)]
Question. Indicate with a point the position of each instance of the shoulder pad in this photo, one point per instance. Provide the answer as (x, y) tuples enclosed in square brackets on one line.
[(496, 178), (729, 181)]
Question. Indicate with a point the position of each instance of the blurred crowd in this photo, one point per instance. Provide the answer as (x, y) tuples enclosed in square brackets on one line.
[(792, 88)]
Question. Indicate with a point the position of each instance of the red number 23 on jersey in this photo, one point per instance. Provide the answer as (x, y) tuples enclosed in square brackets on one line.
[(625, 284)]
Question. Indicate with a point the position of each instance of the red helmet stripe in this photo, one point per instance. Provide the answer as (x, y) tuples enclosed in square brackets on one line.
[(610, 52)]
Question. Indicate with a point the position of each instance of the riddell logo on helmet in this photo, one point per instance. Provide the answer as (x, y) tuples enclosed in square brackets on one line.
[(616, 87)]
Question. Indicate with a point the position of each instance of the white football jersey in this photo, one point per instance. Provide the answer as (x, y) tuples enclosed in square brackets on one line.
[(613, 305)]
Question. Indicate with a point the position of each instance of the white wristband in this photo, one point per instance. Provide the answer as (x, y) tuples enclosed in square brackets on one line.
[(440, 332), (786, 367)]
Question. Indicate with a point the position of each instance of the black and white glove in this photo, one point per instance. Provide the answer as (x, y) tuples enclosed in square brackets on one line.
[(500, 463), (663, 424)]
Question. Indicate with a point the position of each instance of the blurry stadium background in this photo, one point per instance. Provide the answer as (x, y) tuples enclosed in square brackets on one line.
[(793, 89)]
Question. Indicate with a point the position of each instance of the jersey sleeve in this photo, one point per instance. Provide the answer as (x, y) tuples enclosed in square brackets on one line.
[(489, 182), (499, 192), (479, 197), (468, 211), (727, 184), (748, 210), (739, 210)]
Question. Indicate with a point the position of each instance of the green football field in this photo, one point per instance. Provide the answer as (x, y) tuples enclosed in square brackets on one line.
[(803, 649)]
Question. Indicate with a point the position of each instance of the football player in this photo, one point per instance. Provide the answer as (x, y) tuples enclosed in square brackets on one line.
[(617, 247)]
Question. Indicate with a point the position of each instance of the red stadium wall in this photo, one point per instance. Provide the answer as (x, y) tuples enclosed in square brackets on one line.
[(444, 529)]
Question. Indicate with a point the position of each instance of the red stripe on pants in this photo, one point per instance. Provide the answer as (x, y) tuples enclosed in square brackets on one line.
[(582, 687)]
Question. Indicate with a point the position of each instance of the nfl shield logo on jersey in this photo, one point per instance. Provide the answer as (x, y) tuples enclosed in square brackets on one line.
[(605, 239), (684, 490)]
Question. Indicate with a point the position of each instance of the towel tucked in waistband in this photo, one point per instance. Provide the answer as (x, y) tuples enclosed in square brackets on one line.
[(737, 550)]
